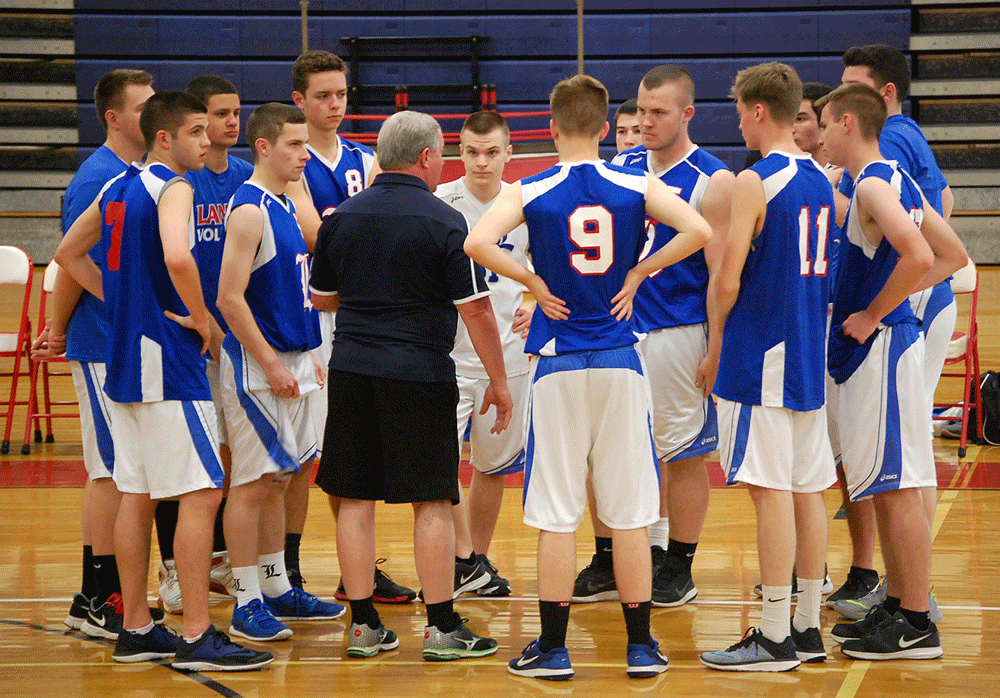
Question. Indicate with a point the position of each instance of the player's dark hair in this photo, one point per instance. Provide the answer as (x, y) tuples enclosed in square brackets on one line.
[(629, 107), (207, 86), (110, 90), (312, 62), (775, 85), (662, 74), (268, 120), (483, 123), (579, 106), (167, 111), (813, 91), (866, 103), (885, 64)]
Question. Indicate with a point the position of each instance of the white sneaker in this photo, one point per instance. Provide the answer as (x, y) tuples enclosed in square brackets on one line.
[(170, 588), (220, 577)]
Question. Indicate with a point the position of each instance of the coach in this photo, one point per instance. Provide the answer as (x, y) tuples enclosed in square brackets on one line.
[(390, 262)]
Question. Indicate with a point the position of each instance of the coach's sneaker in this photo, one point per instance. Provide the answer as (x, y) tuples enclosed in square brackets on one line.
[(842, 632), (858, 608), (366, 641), (220, 576), (460, 643), (595, 583), (859, 583), (895, 638), (808, 645), (254, 621), (497, 586), (754, 653), (170, 588), (673, 585), (646, 661), (78, 611), (296, 604), (214, 651), (553, 665), (158, 643)]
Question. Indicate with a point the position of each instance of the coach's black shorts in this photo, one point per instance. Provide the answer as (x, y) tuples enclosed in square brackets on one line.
[(389, 439)]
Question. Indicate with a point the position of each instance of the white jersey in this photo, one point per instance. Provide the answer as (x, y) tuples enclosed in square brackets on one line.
[(505, 294)]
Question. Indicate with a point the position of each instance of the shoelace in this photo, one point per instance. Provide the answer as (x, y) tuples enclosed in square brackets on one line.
[(748, 638)]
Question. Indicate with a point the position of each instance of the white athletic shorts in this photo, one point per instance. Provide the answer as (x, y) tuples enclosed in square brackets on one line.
[(97, 412), (886, 440), (589, 415), (775, 447), (493, 454), (684, 420), (215, 385), (937, 317), (267, 433), (167, 448), (318, 401)]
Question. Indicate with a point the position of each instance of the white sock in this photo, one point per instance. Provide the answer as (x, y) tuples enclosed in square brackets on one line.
[(659, 533), (807, 608), (192, 640), (143, 630), (247, 585), (273, 577), (774, 617)]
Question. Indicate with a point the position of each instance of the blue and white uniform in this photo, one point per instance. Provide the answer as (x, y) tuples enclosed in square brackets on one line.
[(269, 434), (771, 380), (590, 402), (670, 307), (886, 442)]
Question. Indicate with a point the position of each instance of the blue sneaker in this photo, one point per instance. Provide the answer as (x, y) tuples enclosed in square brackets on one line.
[(645, 662), (754, 652), (254, 621), (158, 643), (213, 651), (296, 604), (552, 665)]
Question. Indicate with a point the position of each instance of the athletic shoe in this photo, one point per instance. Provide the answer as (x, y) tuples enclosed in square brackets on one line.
[(808, 645), (366, 641), (214, 651), (673, 585), (295, 578), (107, 620), (255, 621), (220, 576), (78, 611), (858, 608), (827, 587), (384, 590), (595, 583), (859, 583), (296, 604), (659, 556), (497, 586), (170, 588), (552, 665), (158, 643), (842, 632), (754, 653), (645, 661), (460, 643), (470, 577), (895, 638), (933, 609), (952, 430)]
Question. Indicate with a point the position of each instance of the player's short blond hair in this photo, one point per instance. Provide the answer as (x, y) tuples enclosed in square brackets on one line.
[(579, 106), (775, 85), (866, 103)]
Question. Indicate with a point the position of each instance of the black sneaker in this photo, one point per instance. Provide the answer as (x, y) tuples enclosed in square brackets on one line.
[(659, 556), (595, 583), (384, 591), (859, 583), (842, 632), (158, 643), (497, 586), (77, 612), (107, 620), (470, 577), (214, 651), (895, 638), (673, 585), (808, 645), (296, 579)]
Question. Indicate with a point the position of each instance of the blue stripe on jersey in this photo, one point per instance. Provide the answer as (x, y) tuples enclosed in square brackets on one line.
[(329, 184), (621, 357), (105, 446), (740, 442), (204, 445)]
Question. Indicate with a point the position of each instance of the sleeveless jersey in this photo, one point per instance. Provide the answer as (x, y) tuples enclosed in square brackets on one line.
[(278, 288), (212, 191), (676, 295), (149, 358), (586, 227), (773, 347), (329, 184), (864, 269), (505, 294)]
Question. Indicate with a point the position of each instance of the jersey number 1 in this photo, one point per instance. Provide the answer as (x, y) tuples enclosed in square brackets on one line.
[(806, 265), (114, 215)]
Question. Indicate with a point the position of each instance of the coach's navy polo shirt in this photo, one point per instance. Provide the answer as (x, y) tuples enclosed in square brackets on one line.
[(393, 253)]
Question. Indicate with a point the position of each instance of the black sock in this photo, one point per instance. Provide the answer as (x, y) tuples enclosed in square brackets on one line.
[(682, 552), (637, 622), (89, 586), (921, 620), (863, 574), (363, 612), (166, 527), (219, 536), (292, 541), (442, 616), (106, 573), (604, 558), (555, 619), (891, 604), (471, 560)]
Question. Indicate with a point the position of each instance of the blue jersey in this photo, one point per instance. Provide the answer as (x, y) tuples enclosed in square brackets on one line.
[(773, 346), (586, 228), (212, 192), (864, 269), (676, 295), (149, 358), (87, 331), (330, 184), (277, 291)]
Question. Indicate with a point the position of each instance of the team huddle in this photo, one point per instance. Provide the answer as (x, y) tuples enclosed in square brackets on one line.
[(228, 325)]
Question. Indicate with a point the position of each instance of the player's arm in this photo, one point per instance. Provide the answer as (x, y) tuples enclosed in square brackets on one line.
[(51, 341), (244, 232), (840, 201), (716, 207), (374, 172), (305, 211), (72, 255), (947, 202), (506, 213), (481, 322), (949, 252)]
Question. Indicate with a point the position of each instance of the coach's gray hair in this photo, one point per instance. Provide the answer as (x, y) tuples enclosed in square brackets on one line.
[(404, 136)]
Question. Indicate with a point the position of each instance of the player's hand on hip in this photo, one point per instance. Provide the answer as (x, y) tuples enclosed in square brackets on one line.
[(860, 325), (189, 322), (281, 380), (554, 308), (498, 395), (522, 319), (622, 309)]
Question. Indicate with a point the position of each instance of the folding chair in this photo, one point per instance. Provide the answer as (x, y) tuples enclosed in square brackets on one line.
[(48, 283), (15, 270), (964, 348)]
